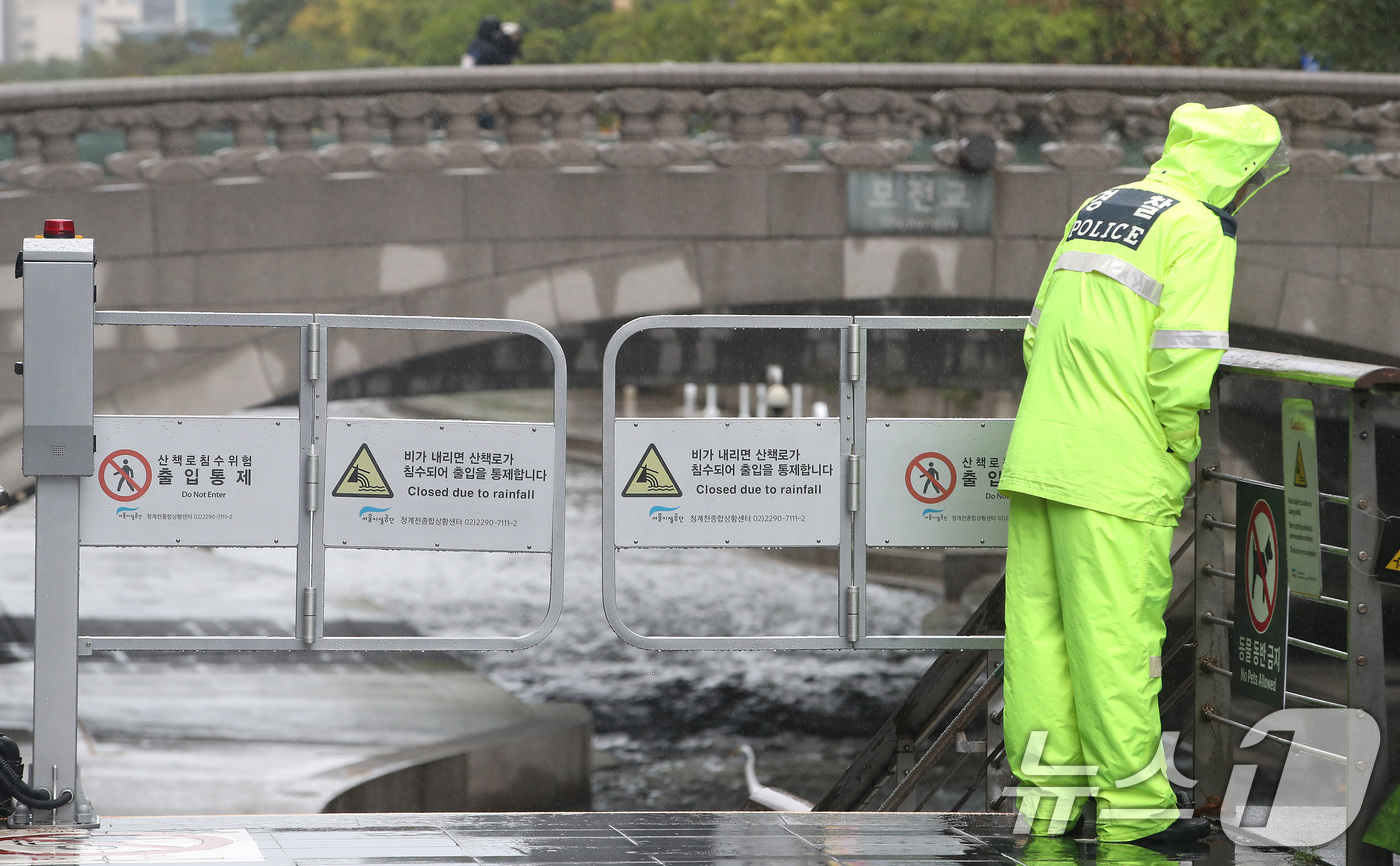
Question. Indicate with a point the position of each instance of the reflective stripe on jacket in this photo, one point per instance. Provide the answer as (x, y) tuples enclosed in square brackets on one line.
[(1130, 323)]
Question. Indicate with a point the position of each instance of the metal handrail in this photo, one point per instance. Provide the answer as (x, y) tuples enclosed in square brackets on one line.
[(1316, 371)]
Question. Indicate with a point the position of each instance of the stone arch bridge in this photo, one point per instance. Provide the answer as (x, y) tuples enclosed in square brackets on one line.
[(607, 192)]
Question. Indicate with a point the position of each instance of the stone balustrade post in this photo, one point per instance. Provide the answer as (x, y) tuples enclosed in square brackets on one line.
[(292, 118), (463, 145), (142, 139), (59, 168), (1306, 122), (249, 123), (1383, 121), (521, 113), (759, 127), (567, 145), (970, 111), (865, 122), (27, 147), (809, 117), (179, 160), (355, 134), (673, 124), (1081, 119), (638, 146), (409, 116)]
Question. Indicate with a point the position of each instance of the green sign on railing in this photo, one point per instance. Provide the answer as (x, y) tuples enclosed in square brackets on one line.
[(1261, 595)]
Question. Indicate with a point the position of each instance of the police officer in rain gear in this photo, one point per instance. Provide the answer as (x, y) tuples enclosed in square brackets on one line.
[(1128, 328)]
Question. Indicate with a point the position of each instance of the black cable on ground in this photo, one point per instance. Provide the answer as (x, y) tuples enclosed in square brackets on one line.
[(34, 798)]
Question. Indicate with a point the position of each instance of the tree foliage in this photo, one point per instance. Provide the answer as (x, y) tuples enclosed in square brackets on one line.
[(1360, 35)]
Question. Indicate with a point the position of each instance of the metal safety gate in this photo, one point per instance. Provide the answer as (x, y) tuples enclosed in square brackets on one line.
[(848, 482), (310, 483)]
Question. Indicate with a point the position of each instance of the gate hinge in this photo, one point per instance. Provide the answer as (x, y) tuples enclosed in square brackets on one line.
[(852, 482), (853, 613), (308, 615), (853, 354), (313, 352), (313, 480)]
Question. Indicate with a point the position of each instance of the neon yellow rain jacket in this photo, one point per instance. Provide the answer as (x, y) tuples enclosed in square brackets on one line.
[(1130, 323)]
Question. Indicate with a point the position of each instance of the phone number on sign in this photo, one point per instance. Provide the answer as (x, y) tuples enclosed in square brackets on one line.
[(456, 521)]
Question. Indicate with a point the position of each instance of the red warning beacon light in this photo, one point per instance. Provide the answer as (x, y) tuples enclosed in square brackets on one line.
[(59, 229)]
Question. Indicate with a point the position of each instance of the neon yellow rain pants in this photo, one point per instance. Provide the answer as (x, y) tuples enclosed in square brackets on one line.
[(1085, 595)]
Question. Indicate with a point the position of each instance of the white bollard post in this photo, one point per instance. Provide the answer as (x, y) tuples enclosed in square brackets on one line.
[(711, 401), (689, 392), (744, 400), (629, 401)]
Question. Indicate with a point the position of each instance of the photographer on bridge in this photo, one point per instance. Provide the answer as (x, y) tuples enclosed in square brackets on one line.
[(1128, 327)]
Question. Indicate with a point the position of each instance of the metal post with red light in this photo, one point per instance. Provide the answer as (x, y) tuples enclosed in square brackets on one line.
[(59, 299)]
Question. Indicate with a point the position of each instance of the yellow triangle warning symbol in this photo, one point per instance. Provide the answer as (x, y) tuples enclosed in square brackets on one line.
[(1394, 564), (363, 479), (651, 477), (1300, 474)]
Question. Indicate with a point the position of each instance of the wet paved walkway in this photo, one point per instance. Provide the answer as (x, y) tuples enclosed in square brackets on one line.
[(591, 839)]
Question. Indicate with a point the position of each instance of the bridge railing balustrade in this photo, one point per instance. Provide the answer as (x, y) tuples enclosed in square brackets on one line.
[(721, 116)]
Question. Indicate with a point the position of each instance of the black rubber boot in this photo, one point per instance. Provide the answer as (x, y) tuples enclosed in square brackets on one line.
[(1180, 830)]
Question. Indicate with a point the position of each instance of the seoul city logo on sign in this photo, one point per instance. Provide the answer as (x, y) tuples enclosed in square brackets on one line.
[(1262, 548)]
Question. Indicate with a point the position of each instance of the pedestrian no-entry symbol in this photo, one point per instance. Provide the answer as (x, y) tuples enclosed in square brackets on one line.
[(1261, 596), (125, 475), (651, 477), (363, 479), (930, 478)]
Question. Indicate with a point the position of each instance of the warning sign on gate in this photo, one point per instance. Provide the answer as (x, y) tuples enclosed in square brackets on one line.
[(439, 485), (741, 482), (206, 482), (930, 477), (363, 478), (1261, 595), (652, 477), (933, 482), (126, 482)]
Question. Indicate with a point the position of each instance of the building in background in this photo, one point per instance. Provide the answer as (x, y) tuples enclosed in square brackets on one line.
[(63, 29)]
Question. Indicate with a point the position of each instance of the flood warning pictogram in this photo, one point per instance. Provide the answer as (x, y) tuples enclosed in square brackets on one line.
[(363, 479), (651, 477)]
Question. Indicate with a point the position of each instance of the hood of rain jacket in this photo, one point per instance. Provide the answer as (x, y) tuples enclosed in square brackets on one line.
[(1211, 152)]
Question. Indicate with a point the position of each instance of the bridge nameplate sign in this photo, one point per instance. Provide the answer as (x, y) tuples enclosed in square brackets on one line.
[(738, 482), (439, 485), (191, 481), (919, 203), (933, 482)]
